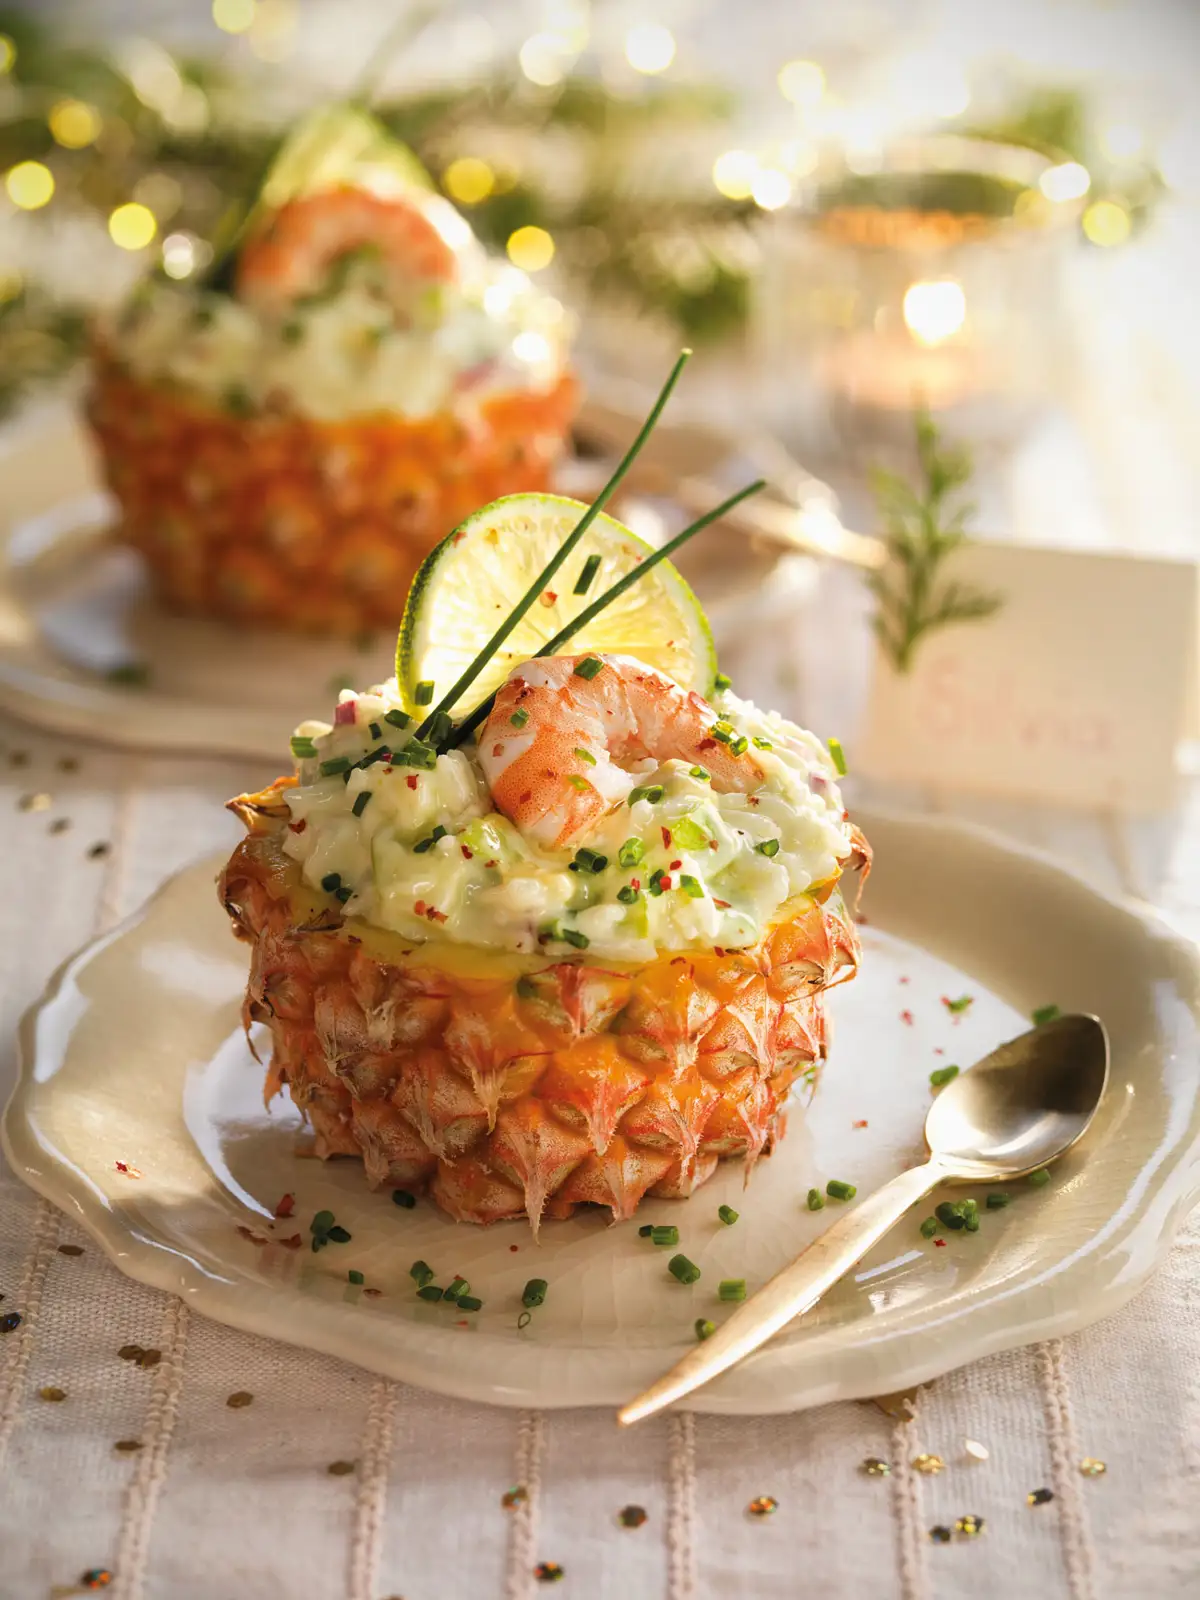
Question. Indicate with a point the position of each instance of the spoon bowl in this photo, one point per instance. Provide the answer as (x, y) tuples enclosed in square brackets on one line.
[(1022, 1106)]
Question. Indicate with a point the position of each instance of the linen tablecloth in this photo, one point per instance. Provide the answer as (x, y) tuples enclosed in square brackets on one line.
[(334, 1485)]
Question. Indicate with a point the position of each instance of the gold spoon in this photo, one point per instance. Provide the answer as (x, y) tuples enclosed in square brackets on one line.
[(1014, 1112)]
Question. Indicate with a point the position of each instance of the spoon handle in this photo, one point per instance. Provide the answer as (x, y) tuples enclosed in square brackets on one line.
[(792, 1291)]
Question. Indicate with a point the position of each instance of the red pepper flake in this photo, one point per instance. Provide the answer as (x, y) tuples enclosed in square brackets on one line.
[(286, 1206), (751, 799), (861, 1124), (491, 863), (497, 749), (549, 598), (939, 1051), (419, 908), (707, 744), (130, 1172), (411, 780), (468, 855), (527, 797), (664, 882), (635, 883), (373, 1294), (345, 713), (298, 827), (712, 844), (435, 915), (514, 1248), (719, 949), (905, 980), (293, 1243), (939, 1244), (462, 1323), (458, 537), (957, 1007), (722, 905), (906, 1017), (666, 837)]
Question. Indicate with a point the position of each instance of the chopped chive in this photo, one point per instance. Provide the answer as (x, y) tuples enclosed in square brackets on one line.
[(816, 1200), (727, 1215), (839, 757), (684, 1270), (1044, 1014), (1038, 1179), (519, 717), (339, 1235), (836, 1189), (577, 782), (417, 753), (361, 804), (584, 581), (691, 886), (722, 731), (731, 1289), (302, 747), (645, 1230), (322, 1222), (721, 682), (534, 1292), (402, 1197), (588, 667), (929, 1227), (343, 894), (950, 1215), (704, 1328), (688, 833), (940, 1076), (423, 695), (355, 1277), (429, 1291), (701, 773), (767, 847), (334, 765), (331, 882), (970, 1212), (469, 1302), (589, 861), (458, 1287), (739, 746), (586, 755), (440, 729), (652, 793), (422, 845), (630, 853), (573, 936), (655, 885), (665, 1234), (375, 730), (762, 744), (998, 1199), (421, 1273), (628, 895), (526, 988), (398, 719)]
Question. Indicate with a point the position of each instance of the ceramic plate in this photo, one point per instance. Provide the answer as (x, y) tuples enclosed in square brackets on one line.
[(74, 607), (135, 1056)]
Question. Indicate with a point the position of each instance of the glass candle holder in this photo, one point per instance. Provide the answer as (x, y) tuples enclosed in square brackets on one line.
[(935, 279)]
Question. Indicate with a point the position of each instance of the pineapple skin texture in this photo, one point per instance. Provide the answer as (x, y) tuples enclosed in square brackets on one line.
[(316, 527), (514, 1086)]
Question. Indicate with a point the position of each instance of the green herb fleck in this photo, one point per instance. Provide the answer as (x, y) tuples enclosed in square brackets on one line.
[(929, 1227), (739, 746), (398, 719), (429, 1291), (941, 1076), (302, 747), (691, 886), (762, 744), (1038, 1179), (534, 1292), (361, 803), (664, 1234), (402, 1197), (331, 882), (631, 852), (957, 1007), (584, 581), (731, 1289), (684, 1270), (457, 1288), (688, 833), (469, 1302), (586, 755), (339, 1234), (998, 1199), (423, 693), (652, 793), (573, 937), (577, 782), (519, 717), (816, 1200), (355, 1277), (704, 1328), (646, 1229), (950, 1215), (836, 1189), (421, 1273), (701, 773), (129, 675), (839, 757), (334, 765), (727, 1215), (588, 667), (721, 682), (970, 1215), (767, 847), (1044, 1014), (589, 861), (628, 895), (527, 989)]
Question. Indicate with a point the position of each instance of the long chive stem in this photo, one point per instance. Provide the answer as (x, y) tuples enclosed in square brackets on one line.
[(540, 583), (470, 723)]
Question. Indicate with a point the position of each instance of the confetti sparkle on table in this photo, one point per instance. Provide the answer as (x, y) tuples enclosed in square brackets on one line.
[(35, 802), (956, 1007), (127, 1447), (906, 1017), (763, 1505), (514, 1497), (236, 1401), (96, 1578), (548, 1572), (1092, 1467), (341, 1469), (631, 1516), (940, 1534), (975, 1451), (10, 1321), (70, 1249), (51, 1393), (1039, 1497), (128, 1171), (875, 1468), (928, 1464), (969, 1526)]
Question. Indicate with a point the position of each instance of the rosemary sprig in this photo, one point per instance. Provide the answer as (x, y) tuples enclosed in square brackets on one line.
[(541, 582), (468, 725), (924, 526)]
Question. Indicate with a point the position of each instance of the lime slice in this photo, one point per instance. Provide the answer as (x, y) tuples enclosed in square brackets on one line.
[(476, 576)]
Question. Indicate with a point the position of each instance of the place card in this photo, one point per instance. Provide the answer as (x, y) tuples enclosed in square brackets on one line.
[(1079, 690)]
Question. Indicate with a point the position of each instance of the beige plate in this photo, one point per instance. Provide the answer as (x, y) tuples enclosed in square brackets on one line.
[(135, 1056), (73, 606)]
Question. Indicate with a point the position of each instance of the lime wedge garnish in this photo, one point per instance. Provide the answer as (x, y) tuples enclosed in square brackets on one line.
[(475, 577)]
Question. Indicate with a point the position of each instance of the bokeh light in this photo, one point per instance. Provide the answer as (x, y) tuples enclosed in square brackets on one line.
[(802, 82), (543, 60), (74, 124), (1106, 223), (531, 249), (132, 226), (771, 188), (1068, 181), (934, 311), (11, 284), (1123, 141), (30, 185), (734, 173), (650, 47), (8, 54), (468, 180), (234, 16), (179, 255)]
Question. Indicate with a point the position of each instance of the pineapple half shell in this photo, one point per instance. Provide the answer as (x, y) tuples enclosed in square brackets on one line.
[(515, 1086)]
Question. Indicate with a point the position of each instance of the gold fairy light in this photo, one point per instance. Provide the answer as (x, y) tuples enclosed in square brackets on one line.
[(468, 180), (934, 312), (1106, 223), (802, 82), (132, 226), (234, 16), (734, 173), (74, 124), (650, 48), (530, 248), (1067, 181), (8, 54), (30, 185), (771, 189)]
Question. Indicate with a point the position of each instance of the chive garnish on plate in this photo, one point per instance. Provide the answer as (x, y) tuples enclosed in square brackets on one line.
[(837, 1189), (584, 581), (682, 1269)]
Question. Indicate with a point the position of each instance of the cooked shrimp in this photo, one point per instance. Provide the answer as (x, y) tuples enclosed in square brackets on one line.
[(293, 253), (555, 746)]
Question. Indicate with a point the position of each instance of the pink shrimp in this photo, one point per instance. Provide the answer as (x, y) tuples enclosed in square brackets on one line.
[(555, 745), (291, 255)]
